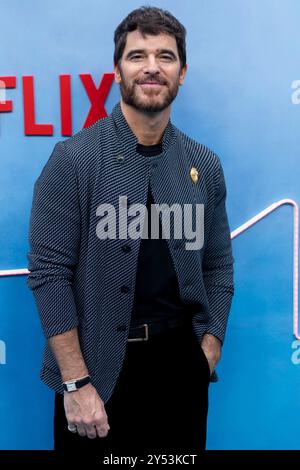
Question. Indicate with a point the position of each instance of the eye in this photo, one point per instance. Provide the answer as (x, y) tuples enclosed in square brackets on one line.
[(136, 57), (167, 57)]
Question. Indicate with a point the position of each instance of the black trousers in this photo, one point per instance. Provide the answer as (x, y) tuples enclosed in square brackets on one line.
[(159, 404)]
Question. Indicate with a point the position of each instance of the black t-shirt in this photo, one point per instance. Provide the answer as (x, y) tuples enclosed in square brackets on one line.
[(156, 291)]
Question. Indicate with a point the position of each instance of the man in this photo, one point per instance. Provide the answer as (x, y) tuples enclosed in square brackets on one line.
[(134, 325)]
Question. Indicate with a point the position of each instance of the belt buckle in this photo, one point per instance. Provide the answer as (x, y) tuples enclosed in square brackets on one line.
[(146, 337)]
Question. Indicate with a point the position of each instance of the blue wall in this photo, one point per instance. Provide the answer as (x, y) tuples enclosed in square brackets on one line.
[(242, 59)]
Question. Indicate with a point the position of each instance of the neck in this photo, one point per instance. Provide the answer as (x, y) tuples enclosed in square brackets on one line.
[(148, 127)]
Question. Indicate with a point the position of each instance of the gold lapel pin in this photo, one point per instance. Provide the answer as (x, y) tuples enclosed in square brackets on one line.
[(194, 174)]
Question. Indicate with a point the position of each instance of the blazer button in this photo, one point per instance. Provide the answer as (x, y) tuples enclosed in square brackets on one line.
[(126, 248), (120, 158), (122, 328), (124, 289)]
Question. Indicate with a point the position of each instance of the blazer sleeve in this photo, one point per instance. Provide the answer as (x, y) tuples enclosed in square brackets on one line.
[(217, 265), (54, 238)]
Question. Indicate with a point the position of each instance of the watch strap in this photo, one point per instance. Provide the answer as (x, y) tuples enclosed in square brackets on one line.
[(73, 385)]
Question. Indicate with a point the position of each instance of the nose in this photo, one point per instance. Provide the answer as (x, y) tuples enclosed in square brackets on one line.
[(151, 66)]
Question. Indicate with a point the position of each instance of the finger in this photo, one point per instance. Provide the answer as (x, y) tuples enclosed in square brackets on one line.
[(102, 430), (102, 425), (72, 427), (81, 430), (91, 432), (211, 367)]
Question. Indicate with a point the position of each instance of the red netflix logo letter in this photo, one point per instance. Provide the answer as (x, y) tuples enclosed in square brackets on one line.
[(97, 96), (30, 126), (65, 104), (6, 82)]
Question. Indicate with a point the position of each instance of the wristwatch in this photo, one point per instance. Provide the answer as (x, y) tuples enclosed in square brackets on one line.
[(73, 385)]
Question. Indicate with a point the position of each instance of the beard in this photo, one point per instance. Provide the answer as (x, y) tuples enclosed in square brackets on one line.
[(151, 101)]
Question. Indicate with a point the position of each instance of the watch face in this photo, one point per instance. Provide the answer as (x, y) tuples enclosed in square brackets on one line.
[(71, 387)]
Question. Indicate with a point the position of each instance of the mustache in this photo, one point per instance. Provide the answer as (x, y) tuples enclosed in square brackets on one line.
[(151, 80)]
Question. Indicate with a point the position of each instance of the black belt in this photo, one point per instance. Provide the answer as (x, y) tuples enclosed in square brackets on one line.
[(144, 331)]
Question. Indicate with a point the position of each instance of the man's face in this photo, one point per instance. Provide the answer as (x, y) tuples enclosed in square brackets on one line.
[(149, 72)]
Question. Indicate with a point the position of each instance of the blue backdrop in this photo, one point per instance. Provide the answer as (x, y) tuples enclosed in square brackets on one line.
[(238, 99)]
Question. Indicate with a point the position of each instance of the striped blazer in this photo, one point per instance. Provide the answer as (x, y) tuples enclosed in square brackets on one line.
[(81, 280)]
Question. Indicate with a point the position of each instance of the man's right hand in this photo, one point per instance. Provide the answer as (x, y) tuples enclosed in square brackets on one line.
[(85, 410)]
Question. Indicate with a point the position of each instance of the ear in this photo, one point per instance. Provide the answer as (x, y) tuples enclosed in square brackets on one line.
[(117, 74), (182, 74)]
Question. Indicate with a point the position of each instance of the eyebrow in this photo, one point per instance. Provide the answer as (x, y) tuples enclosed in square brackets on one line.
[(160, 51)]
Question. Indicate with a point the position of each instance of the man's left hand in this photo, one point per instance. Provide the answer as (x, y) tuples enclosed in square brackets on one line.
[(211, 346)]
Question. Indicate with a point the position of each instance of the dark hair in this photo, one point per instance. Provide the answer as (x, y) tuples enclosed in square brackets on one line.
[(152, 21)]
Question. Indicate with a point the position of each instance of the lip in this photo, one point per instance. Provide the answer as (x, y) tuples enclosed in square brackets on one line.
[(150, 85)]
